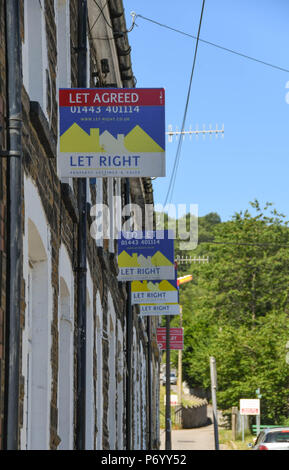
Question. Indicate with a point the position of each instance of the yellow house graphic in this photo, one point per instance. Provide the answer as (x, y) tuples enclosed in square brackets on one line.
[(137, 140), (138, 286), (75, 139), (147, 286), (158, 259), (167, 286), (124, 260)]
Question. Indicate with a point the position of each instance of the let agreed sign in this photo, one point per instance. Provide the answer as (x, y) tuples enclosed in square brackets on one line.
[(111, 132)]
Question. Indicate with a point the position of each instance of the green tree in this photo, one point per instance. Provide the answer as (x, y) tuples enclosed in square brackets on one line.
[(237, 310)]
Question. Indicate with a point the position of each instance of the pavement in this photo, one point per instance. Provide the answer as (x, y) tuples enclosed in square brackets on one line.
[(192, 439)]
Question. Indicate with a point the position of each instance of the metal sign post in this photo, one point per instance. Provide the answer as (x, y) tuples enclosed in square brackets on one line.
[(168, 445), (180, 378), (258, 417), (214, 399), (81, 267)]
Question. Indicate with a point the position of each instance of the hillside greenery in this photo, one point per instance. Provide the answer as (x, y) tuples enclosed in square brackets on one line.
[(237, 309)]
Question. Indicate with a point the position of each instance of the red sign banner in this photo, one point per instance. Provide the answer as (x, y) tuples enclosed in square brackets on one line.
[(111, 97), (176, 338)]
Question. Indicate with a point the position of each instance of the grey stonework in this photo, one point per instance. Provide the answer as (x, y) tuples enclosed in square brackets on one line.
[(58, 201)]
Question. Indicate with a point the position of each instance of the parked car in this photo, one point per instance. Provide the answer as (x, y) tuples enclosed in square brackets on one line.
[(272, 439), (173, 379)]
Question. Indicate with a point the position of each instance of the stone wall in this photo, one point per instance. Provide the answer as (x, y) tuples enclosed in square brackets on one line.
[(58, 202), (194, 416)]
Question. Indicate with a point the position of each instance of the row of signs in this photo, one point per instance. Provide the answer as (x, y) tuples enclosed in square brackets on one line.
[(106, 132), (146, 259)]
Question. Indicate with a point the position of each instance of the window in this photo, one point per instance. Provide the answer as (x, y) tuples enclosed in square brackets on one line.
[(36, 74), (37, 390), (99, 371), (36, 339), (110, 198), (90, 395), (63, 77), (115, 210), (260, 438), (121, 365), (112, 422), (99, 200), (65, 371), (278, 436), (66, 345), (63, 43)]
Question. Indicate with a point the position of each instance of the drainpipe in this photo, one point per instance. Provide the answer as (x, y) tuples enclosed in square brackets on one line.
[(81, 268), (168, 438), (129, 334), (14, 224)]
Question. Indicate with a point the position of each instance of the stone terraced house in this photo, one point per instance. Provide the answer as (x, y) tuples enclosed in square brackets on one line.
[(39, 368)]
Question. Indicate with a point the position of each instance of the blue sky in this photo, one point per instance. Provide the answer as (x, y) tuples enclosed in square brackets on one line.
[(252, 160)]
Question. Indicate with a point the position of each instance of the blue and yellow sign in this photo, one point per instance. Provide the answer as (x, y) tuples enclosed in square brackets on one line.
[(155, 292), (111, 132), (148, 292), (148, 310), (146, 255)]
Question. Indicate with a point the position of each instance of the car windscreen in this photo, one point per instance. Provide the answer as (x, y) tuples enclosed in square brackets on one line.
[(277, 436)]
